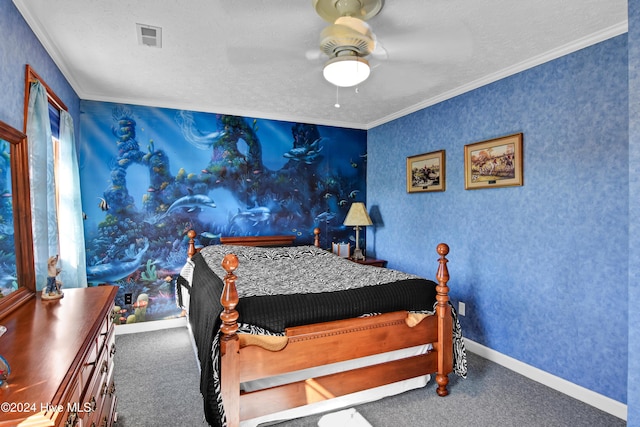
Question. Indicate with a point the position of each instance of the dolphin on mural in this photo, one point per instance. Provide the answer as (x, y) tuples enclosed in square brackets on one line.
[(116, 270), (8, 281), (195, 137), (256, 214), (325, 217), (6, 229), (306, 154), (192, 202)]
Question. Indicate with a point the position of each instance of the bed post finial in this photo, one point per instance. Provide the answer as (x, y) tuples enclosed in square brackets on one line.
[(445, 325), (316, 237), (229, 299), (191, 249)]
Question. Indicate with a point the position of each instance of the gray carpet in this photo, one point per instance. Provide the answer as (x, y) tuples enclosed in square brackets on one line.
[(157, 379), (155, 387)]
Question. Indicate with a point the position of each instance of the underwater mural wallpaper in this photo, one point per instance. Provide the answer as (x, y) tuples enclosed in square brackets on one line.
[(149, 175), (8, 266)]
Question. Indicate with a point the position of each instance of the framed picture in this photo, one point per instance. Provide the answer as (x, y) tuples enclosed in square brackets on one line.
[(426, 172), (493, 163)]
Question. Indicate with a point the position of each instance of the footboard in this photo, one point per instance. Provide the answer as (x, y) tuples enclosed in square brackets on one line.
[(324, 343)]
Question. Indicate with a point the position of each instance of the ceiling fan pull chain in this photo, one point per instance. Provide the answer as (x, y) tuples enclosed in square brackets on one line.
[(337, 104)]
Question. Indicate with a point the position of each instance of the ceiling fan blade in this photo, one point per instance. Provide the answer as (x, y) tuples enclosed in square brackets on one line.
[(390, 79), (379, 52), (432, 46), (257, 56), (315, 55)]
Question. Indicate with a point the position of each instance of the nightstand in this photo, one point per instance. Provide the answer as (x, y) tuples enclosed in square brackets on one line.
[(371, 261)]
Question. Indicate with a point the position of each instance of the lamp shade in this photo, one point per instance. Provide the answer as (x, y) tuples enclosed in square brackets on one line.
[(357, 215), (346, 71)]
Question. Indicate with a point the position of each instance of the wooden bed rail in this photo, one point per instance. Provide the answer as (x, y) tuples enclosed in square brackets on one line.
[(282, 240)]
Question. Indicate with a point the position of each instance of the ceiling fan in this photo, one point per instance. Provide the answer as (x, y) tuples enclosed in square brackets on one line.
[(348, 40), (415, 49)]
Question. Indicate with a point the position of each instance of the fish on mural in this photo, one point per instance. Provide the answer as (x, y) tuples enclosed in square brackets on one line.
[(103, 205), (256, 214), (191, 203), (195, 137), (116, 270)]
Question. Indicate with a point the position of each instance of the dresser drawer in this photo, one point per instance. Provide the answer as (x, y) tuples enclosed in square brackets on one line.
[(100, 388)]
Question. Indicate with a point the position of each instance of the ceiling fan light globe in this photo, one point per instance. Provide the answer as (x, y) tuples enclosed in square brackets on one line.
[(346, 71)]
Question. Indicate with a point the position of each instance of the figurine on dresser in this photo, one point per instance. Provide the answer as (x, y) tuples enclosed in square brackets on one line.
[(53, 290), (5, 371)]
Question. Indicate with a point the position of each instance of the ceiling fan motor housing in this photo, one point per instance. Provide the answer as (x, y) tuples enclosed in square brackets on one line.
[(330, 10), (347, 34)]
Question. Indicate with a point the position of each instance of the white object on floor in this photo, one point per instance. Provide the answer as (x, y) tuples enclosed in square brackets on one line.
[(346, 418)]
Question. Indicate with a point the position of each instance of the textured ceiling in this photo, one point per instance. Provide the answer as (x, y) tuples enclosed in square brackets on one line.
[(259, 58)]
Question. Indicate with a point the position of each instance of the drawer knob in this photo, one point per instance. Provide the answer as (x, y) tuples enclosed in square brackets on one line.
[(72, 419), (112, 389)]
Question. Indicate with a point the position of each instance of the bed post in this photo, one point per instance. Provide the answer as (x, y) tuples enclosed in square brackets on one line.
[(445, 325), (230, 344), (316, 237), (191, 249)]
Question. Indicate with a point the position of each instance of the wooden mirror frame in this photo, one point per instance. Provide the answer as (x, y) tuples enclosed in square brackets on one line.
[(21, 198)]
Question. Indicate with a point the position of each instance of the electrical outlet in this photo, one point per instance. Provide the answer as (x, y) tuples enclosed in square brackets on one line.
[(461, 309), (128, 298)]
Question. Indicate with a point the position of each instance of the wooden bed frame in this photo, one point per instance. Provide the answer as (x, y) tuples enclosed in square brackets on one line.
[(323, 343)]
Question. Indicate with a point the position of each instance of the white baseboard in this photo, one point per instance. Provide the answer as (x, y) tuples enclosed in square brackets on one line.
[(154, 325), (585, 395)]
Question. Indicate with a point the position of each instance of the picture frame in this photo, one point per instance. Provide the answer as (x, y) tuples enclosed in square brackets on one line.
[(494, 163), (426, 172)]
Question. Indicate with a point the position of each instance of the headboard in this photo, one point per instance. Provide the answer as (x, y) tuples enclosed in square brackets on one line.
[(279, 240), (284, 240)]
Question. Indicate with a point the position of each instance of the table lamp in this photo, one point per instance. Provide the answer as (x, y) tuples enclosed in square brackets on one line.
[(357, 217)]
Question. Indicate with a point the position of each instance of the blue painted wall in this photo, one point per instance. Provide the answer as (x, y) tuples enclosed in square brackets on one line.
[(538, 265), (633, 391), (19, 46)]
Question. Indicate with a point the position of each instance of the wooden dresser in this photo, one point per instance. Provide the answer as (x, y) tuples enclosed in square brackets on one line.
[(61, 356)]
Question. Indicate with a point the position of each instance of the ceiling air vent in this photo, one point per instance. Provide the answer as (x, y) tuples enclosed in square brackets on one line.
[(149, 35)]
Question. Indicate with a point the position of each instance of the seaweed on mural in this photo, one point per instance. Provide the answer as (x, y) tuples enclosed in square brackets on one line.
[(141, 248)]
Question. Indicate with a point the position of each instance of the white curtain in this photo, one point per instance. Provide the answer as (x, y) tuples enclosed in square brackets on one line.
[(45, 230), (72, 254), (43, 194)]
